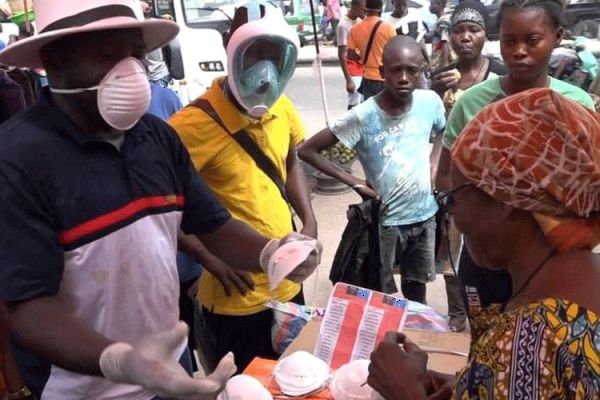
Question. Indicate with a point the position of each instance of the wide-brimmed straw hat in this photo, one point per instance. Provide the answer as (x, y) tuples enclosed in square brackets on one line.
[(59, 18)]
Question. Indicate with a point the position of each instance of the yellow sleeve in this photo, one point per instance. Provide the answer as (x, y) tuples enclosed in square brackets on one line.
[(297, 128), (193, 127)]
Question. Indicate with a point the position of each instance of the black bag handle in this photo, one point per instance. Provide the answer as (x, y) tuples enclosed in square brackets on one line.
[(243, 138), (370, 42)]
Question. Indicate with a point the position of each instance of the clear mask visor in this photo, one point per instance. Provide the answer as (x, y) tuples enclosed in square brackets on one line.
[(261, 70)]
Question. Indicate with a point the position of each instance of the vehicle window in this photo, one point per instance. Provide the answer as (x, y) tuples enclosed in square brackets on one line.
[(164, 7), (199, 11), (302, 7)]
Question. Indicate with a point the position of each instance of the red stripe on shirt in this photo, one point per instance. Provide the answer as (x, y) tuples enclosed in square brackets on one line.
[(104, 221)]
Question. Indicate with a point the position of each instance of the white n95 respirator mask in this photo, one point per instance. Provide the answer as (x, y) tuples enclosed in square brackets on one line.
[(261, 57), (123, 94)]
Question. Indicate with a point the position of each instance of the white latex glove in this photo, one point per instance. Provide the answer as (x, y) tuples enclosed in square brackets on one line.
[(299, 272), (153, 365)]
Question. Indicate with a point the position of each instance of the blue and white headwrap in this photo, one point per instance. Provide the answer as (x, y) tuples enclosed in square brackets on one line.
[(470, 11)]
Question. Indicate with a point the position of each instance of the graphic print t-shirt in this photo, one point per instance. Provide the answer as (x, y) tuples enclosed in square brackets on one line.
[(394, 152)]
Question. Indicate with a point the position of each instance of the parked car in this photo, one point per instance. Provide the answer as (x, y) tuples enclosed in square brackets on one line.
[(582, 18)]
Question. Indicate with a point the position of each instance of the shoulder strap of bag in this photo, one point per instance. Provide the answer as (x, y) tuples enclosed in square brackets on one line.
[(370, 42), (244, 140)]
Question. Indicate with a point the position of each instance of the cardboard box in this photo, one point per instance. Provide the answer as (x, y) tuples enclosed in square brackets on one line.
[(440, 345), (306, 339)]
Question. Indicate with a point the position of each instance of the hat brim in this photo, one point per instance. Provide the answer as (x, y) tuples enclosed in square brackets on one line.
[(26, 52)]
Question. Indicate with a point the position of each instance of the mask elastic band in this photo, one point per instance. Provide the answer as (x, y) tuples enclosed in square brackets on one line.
[(74, 91)]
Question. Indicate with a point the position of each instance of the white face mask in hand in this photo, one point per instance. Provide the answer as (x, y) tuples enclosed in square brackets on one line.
[(123, 94), (294, 257)]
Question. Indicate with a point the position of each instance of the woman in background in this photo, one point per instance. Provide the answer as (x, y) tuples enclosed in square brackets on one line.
[(468, 35)]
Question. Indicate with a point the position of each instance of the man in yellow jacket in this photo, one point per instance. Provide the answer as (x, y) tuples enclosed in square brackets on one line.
[(262, 52)]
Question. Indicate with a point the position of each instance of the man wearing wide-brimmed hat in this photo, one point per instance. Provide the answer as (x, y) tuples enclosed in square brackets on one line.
[(93, 194)]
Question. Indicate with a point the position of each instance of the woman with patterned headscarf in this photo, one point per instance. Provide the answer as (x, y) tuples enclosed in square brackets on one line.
[(529, 32), (526, 195)]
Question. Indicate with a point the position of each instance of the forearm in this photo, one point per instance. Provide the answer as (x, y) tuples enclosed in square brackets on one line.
[(445, 54), (8, 367), (351, 55), (424, 52), (297, 191), (442, 176), (434, 157), (191, 245), (43, 326), (561, 68), (237, 244), (342, 58), (314, 158), (415, 393)]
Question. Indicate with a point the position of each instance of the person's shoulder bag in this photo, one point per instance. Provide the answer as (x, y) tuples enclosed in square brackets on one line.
[(245, 141)]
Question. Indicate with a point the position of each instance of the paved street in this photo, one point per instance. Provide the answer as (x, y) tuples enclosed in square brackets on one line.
[(331, 210)]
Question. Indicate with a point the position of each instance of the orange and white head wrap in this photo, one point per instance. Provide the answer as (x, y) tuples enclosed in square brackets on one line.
[(539, 151)]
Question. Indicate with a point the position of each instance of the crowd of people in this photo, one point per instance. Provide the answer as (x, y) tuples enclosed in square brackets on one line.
[(119, 205)]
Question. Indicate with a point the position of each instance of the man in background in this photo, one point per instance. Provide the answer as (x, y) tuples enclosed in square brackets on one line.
[(441, 54), (158, 70), (377, 32), (406, 21), (352, 69), (332, 9)]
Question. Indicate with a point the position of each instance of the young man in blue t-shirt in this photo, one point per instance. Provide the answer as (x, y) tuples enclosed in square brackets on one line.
[(391, 134)]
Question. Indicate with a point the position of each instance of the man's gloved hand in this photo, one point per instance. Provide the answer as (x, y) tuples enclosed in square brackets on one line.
[(302, 270), (153, 365)]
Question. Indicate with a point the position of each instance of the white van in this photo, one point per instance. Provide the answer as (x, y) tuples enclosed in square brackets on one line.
[(197, 57)]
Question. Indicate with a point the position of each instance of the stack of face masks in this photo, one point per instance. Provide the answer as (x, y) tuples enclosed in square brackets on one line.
[(301, 373), (244, 387), (348, 382)]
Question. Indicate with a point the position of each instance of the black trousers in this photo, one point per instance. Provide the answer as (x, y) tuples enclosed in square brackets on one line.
[(369, 87), (246, 336)]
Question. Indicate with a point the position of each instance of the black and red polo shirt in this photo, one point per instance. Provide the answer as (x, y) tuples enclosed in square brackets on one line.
[(96, 227)]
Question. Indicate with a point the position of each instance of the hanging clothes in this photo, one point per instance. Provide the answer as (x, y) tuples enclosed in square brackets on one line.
[(12, 99), (357, 260), (20, 76)]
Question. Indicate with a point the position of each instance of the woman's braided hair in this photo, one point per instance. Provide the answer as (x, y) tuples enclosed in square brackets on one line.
[(554, 9)]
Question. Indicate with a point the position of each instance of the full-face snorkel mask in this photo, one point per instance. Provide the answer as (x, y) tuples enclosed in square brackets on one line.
[(261, 58)]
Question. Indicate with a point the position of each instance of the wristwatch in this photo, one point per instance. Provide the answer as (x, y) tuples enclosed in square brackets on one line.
[(22, 393)]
